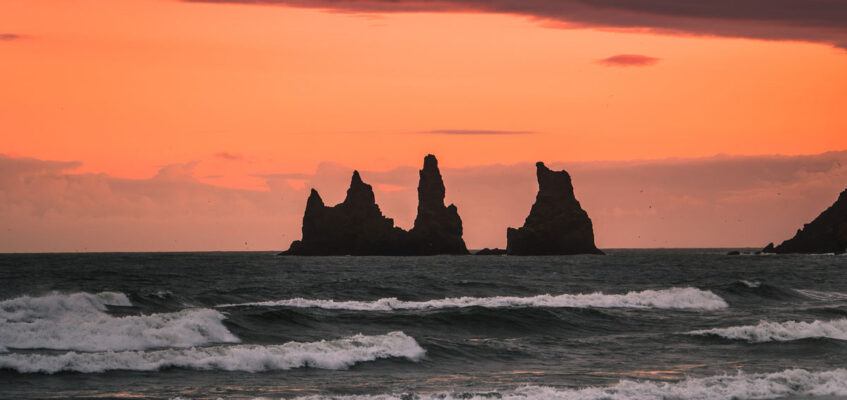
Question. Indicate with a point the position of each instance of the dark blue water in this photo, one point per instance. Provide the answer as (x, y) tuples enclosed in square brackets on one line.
[(651, 324)]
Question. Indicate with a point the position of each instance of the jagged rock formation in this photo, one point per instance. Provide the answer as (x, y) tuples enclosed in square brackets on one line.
[(353, 227), (826, 234), (357, 227), (438, 229), (557, 224)]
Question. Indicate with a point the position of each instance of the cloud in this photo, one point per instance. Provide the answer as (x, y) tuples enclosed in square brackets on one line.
[(10, 36), (475, 132), (629, 60), (708, 202), (229, 156), (822, 21)]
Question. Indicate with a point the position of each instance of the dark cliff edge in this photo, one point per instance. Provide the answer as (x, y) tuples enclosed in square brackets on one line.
[(357, 227), (826, 234), (557, 224)]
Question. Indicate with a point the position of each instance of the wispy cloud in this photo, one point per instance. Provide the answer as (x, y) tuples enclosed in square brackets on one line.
[(475, 132), (629, 60), (10, 36)]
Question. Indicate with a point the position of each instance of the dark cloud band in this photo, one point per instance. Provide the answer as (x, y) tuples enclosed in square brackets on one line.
[(822, 21)]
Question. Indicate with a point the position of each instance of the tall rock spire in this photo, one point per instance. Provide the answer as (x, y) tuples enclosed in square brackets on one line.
[(556, 224), (438, 229)]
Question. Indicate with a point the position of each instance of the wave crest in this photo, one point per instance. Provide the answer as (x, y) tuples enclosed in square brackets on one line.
[(79, 321), (326, 354), (767, 331), (673, 298), (788, 383), (53, 305)]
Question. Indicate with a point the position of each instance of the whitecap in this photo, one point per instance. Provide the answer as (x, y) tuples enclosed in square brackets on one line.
[(79, 321), (790, 383), (56, 305), (673, 298), (325, 354), (103, 332), (767, 331)]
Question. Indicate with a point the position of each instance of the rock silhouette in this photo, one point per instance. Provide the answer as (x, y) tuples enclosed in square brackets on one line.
[(354, 227), (557, 224), (438, 229), (357, 227), (826, 234), (490, 252)]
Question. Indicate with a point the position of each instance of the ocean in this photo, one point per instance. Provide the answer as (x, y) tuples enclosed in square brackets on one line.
[(633, 324)]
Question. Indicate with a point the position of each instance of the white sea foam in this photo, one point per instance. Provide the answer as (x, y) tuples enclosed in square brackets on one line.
[(751, 284), (673, 298), (791, 383), (79, 321), (767, 331), (28, 308), (103, 332), (329, 354)]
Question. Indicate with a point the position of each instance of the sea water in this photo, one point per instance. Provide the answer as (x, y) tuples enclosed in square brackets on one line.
[(633, 324)]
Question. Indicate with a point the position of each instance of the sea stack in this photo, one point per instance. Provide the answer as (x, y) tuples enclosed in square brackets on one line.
[(438, 229), (357, 226), (557, 224), (353, 227), (826, 234)]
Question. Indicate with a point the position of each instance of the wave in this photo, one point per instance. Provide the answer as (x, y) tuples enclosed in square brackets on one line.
[(821, 295), (28, 308), (137, 332), (79, 321), (673, 298), (326, 354), (767, 331), (789, 383)]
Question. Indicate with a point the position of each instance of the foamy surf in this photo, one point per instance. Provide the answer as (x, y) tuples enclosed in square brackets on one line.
[(326, 354), (786, 384), (767, 331), (28, 308), (79, 321), (673, 298)]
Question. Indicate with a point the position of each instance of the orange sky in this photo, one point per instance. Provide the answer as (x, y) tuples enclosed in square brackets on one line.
[(128, 86)]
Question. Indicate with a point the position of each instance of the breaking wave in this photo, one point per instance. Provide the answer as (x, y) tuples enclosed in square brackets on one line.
[(326, 354), (79, 321), (789, 383), (673, 298), (53, 305), (767, 331)]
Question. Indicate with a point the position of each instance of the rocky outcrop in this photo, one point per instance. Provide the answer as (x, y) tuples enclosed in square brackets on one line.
[(357, 227), (490, 252), (557, 224), (826, 234), (354, 227), (438, 229)]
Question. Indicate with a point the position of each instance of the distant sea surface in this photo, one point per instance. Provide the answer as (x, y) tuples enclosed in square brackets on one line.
[(634, 324)]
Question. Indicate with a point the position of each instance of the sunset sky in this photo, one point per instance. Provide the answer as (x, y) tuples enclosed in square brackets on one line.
[(119, 117)]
